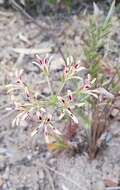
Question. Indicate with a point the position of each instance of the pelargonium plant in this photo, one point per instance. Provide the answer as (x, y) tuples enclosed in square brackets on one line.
[(83, 95), (62, 103)]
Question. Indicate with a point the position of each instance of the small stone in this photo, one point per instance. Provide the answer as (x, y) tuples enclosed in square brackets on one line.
[(2, 164), (57, 64), (29, 157), (114, 112), (52, 161), (46, 91), (1, 182), (77, 40), (1, 2), (41, 174), (70, 32), (23, 123), (64, 187), (30, 67), (25, 161), (6, 174), (99, 185)]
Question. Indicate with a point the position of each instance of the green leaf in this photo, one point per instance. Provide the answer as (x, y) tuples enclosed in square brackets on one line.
[(115, 87), (68, 3), (110, 13), (94, 69), (52, 1), (53, 100)]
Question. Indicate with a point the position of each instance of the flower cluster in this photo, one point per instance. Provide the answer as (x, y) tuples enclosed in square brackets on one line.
[(71, 69), (43, 63), (41, 111)]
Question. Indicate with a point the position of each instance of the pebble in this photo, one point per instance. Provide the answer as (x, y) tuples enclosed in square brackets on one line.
[(64, 187), (25, 161), (29, 157), (30, 67), (46, 91), (23, 123), (1, 182), (1, 2), (41, 174), (57, 64), (77, 40), (6, 174), (52, 161), (114, 112), (99, 186), (2, 164)]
